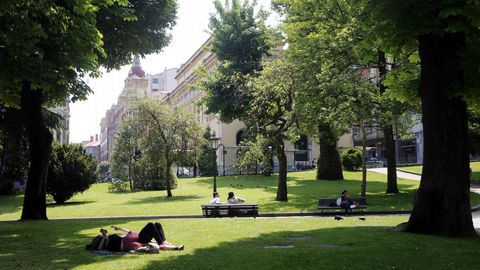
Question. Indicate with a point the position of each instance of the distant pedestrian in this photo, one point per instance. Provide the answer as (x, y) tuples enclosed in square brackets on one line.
[(313, 163)]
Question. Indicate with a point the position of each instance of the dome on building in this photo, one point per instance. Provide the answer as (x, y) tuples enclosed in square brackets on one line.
[(136, 68)]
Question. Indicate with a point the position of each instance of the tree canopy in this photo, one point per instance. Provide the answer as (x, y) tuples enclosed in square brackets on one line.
[(240, 40), (48, 47)]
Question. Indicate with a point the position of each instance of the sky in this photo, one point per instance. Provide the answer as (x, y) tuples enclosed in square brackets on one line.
[(189, 33)]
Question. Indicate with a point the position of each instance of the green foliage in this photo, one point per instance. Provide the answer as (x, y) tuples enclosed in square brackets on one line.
[(55, 44), (206, 160), (273, 92), (13, 149), (168, 137), (240, 41), (474, 132), (118, 185), (254, 155), (126, 150), (351, 159), (401, 23), (103, 168), (151, 176), (72, 170)]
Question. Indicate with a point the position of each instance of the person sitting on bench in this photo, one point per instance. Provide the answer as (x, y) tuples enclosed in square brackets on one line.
[(234, 200), (216, 198), (346, 203)]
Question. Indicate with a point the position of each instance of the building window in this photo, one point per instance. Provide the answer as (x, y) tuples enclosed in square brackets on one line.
[(154, 80)]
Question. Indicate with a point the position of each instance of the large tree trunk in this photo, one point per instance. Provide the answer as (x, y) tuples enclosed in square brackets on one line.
[(443, 203), (282, 171), (40, 145), (391, 160), (388, 131), (329, 166)]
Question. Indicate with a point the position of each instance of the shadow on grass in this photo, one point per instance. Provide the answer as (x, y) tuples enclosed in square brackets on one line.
[(160, 199), (11, 203), (54, 205), (61, 245), (333, 248), (351, 244)]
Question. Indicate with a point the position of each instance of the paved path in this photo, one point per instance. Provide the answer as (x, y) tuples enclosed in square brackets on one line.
[(412, 176)]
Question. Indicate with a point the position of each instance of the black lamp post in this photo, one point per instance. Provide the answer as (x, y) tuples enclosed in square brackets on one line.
[(214, 141)]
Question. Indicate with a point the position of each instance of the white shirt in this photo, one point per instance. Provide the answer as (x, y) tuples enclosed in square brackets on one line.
[(215, 200), (236, 200)]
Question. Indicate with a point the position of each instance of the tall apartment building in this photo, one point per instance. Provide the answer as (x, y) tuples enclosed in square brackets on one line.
[(137, 84)]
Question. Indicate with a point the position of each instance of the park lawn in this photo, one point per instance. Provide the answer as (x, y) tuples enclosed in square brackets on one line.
[(475, 166), (241, 243), (303, 192)]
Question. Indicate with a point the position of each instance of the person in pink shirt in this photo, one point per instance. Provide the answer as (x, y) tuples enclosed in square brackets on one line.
[(133, 241)]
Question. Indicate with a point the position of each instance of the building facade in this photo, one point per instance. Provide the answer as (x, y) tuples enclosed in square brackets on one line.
[(62, 135), (93, 147), (137, 84)]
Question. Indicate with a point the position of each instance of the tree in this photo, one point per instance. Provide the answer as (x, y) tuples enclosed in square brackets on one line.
[(13, 148), (240, 41), (49, 46), (447, 36), (103, 169), (206, 160), (271, 112), (127, 149), (72, 170), (168, 135)]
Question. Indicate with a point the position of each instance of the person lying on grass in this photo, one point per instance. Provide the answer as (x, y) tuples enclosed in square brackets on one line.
[(132, 241)]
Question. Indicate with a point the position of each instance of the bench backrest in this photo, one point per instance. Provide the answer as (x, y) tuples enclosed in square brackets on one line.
[(333, 201), (230, 209)]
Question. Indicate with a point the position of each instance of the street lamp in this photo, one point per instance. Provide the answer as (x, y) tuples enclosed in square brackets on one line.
[(214, 141)]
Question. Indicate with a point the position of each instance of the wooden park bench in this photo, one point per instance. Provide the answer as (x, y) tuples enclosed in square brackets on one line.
[(230, 210), (331, 203)]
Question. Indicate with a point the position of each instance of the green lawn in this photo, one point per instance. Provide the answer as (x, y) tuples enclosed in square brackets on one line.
[(241, 243), (474, 165), (303, 192)]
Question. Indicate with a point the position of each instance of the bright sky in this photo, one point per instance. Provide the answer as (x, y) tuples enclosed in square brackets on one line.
[(188, 35)]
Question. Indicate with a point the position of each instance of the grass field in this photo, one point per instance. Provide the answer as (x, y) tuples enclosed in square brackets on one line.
[(475, 166), (241, 243), (303, 192)]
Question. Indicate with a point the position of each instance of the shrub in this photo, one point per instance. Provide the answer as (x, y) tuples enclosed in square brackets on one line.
[(117, 185), (351, 159), (72, 170), (103, 168)]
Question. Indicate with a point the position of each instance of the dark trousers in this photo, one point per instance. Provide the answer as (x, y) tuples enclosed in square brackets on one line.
[(152, 231)]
